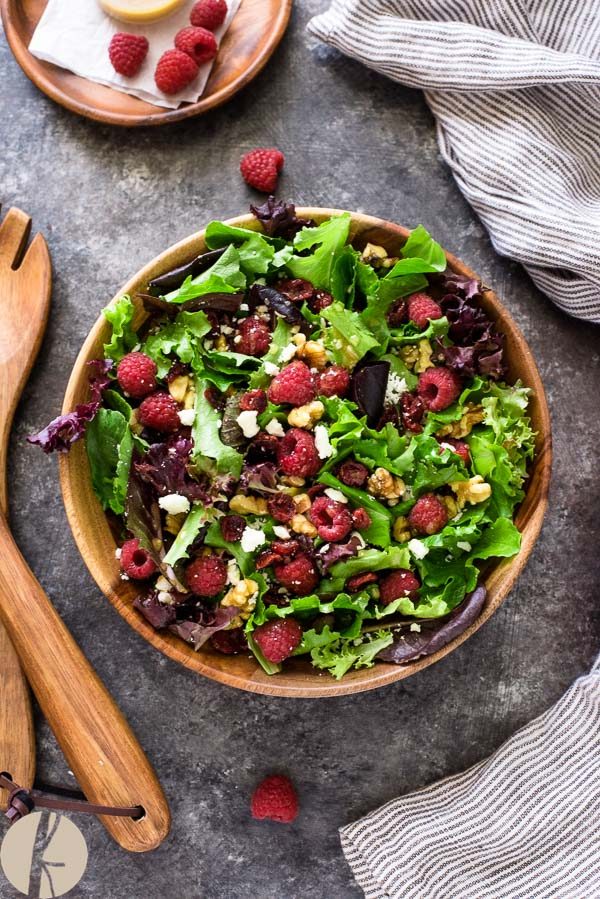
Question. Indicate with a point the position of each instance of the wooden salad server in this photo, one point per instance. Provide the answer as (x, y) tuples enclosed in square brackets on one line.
[(100, 747)]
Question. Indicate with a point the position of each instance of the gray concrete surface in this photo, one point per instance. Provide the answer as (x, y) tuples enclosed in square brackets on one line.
[(108, 200)]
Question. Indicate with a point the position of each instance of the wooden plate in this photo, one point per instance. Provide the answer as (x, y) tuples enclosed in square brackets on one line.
[(97, 544), (252, 37)]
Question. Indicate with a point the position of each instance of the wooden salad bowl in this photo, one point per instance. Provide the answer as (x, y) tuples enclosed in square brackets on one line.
[(97, 545)]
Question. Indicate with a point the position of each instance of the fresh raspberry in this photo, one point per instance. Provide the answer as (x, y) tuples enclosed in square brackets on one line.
[(428, 515), (297, 454), (253, 401), (294, 385), (278, 638), (230, 641), (206, 575), (136, 562), (281, 507), (174, 71), (276, 799), (334, 381), (353, 474), (299, 575), (159, 411), (198, 43), (321, 300), (357, 581), (439, 388), (296, 289), (421, 308), (361, 519), (256, 337), (332, 520), (260, 169), (232, 527), (401, 582), (136, 374), (208, 14), (397, 314), (458, 446), (127, 52), (412, 410)]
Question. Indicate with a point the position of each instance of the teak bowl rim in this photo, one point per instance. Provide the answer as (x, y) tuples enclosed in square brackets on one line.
[(96, 544), (38, 71)]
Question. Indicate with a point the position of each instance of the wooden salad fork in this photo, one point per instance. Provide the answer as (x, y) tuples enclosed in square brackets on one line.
[(98, 744)]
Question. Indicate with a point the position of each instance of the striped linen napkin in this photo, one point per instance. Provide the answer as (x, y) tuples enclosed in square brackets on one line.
[(515, 88), (525, 824)]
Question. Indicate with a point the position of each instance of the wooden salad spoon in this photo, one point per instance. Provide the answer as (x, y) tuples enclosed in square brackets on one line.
[(100, 747)]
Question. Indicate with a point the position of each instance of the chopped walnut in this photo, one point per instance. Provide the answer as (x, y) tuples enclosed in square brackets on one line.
[(401, 530), (178, 388), (248, 505), (293, 480), (173, 523), (243, 595), (385, 485), (134, 423), (377, 256), (451, 506), (221, 343), (301, 525), (313, 353), (189, 401), (302, 502), (424, 350), (409, 355), (306, 416), (464, 426), (473, 491)]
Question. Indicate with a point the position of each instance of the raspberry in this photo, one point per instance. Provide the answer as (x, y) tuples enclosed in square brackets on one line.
[(320, 301), (353, 474), (136, 562), (232, 528), (127, 52), (299, 576), (253, 401), (297, 454), (198, 43), (278, 638), (296, 289), (428, 515), (361, 519), (136, 374), (208, 14), (354, 583), (229, 642), (412, 412), (174, 71), (439, 388), (293, 385), (206, 575), (256, 337), (334, 381), (459, 447), (260, 169), (276, 799), (332, 520), (397, 314), (421, 308), (401, 582), (281, 507), (159, 411)]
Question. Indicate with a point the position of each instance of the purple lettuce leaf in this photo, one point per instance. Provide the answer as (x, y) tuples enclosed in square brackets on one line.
[(198, 632), (261, 478), (156, 613), (336, 552), (411, 645), (478, 346), (165, 467), (279, 219), (368, 388), (142, 514), (468, 287)]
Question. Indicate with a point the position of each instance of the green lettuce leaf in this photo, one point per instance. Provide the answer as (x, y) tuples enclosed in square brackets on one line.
[(182, 338), (258, 253), (225, 276), (123, 337), (196, 518), (280, 338), (329, 238), (109, 444), (207, 440), (348, 339)]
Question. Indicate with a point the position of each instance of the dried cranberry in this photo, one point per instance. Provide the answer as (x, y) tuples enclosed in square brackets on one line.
[(361, 519), (215, 398), (390, 414), (255, 337), (353, 474), (266, 558), (398, 314), (321, 300), (412, 412), (316, 490), (353, 584), (176, 371), (296, 289), (262, 449), (285, 547), (232, 527), (281, 507), (229, 642), (253, 401)]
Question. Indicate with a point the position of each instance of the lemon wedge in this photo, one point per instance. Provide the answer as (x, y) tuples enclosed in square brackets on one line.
[(139, 10)]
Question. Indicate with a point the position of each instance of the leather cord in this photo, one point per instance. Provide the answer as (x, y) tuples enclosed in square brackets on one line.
[(21, 802)]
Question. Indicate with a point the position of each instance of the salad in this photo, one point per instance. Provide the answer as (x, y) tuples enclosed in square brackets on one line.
[(308, 449)]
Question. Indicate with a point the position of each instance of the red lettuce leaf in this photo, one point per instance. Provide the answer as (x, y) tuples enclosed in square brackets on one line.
[(211, 621), (336, 552), (165, 467), (279, 219)]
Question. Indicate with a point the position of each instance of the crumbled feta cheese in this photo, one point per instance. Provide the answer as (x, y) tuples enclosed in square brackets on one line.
[(208, 344), (252, 538), (464, 544), (271, 369), (415, 628), (396, 386), (163, 584), (233, 573), (237, 338), (281, 532), (226, 329), (288, 352), (447, 446), (275, 428), (248, 423), (244, 307), (262, 310), (165, 597), (336, 495), (118, 553), (124, 577), (418, 549), (187, 417), (324, 447), (174, 503)]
